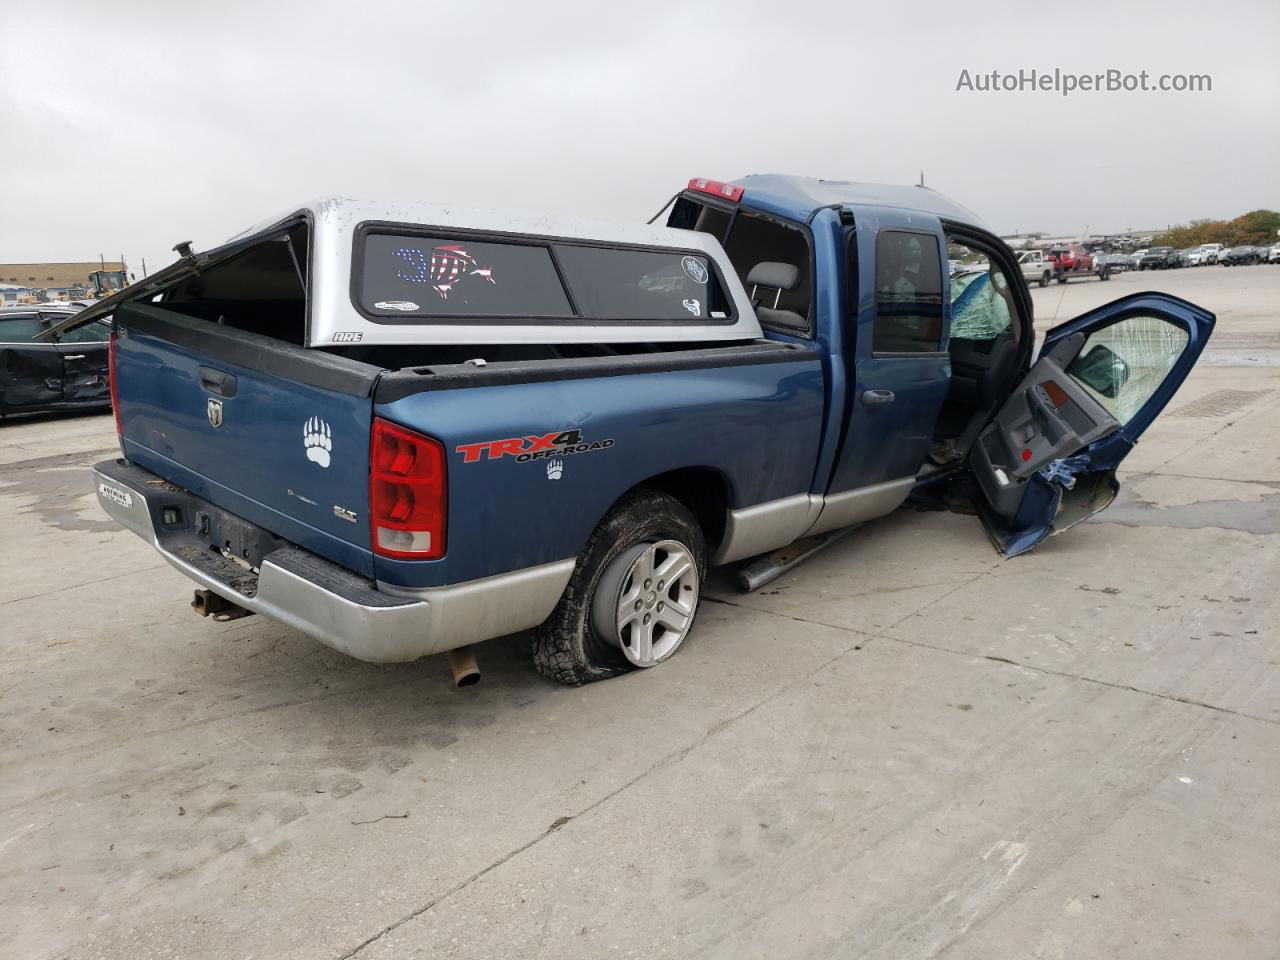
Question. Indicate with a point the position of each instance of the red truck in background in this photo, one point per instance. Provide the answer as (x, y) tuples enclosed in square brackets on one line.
[(1073, 260)]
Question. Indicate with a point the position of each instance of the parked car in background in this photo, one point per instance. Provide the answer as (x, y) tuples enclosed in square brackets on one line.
[(37, 377), (1118, 262), (1159, 258), (449, 427), (1243, 256), (1273, 255), (1138, 257), (1192, 256), (1072, 257), (1211, 252), (1073, 260), (1037, 267)]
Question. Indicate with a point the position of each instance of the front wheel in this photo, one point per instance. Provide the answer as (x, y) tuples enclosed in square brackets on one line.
[(633, 596), (1044, 278)]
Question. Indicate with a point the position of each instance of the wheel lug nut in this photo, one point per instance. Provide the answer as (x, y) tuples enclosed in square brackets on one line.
[(661, 584), (661, 607), (648, 584), (648, 617), (639, 604)]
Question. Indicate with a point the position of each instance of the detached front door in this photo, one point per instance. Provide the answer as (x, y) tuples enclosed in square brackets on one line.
[(1049, 458)]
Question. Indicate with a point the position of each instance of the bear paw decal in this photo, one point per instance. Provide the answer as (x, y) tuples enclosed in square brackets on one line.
[(318, 440), (554, 469)]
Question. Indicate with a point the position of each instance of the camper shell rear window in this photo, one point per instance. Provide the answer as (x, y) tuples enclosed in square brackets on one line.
[(407, 275)]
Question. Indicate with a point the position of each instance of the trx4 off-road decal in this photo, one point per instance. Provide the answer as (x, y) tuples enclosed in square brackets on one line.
[(535, 447)]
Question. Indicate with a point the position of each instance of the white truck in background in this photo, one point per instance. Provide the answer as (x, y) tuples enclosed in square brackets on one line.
[(1037, 267)]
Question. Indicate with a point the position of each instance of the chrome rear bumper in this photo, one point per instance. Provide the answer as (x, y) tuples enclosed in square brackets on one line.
[(330, 603)]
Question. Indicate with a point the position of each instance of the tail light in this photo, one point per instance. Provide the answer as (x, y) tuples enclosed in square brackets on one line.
[(727, 191), (407, 486), (111, 381)]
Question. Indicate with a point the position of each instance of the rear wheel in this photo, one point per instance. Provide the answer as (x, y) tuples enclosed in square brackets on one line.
[(633, 596), (1044, 278)]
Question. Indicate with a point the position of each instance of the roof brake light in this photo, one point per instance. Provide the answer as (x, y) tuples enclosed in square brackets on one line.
[(716, 188)]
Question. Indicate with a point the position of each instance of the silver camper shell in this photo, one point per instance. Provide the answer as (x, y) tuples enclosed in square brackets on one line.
[(336, 230)]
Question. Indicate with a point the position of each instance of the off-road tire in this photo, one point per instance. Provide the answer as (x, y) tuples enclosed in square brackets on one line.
[(565, 646)]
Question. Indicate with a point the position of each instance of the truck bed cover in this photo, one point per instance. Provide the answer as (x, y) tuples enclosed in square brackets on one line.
[(337, 227)]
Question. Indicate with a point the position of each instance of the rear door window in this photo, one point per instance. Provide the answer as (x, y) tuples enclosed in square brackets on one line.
[(19, 329), (908, 293)]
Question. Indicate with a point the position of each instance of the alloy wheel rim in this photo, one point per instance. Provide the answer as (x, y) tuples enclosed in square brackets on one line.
[(653, 602)]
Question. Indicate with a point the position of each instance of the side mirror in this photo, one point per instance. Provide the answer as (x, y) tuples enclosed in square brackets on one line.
[(1102, 369)]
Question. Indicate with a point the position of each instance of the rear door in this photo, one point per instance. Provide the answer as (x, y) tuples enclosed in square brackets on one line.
[(84, 362), (896, 267), (30, 372), (1048, 460)]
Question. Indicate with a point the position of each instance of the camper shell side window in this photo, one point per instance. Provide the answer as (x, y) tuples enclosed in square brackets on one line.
[(407, 275)]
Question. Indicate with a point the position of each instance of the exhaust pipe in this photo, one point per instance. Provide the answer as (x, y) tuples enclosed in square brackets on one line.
[(462, 662), (209, 604)]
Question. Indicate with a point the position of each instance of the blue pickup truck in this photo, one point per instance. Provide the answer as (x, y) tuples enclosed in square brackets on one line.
[(407, 429)]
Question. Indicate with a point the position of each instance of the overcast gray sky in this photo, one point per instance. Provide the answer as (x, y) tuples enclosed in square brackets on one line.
[(129, 126)]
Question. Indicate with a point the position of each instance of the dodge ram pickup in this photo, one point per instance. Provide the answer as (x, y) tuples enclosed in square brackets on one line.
[(404, 429)]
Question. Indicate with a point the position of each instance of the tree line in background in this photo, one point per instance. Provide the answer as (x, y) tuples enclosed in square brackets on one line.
[(1256, 228)]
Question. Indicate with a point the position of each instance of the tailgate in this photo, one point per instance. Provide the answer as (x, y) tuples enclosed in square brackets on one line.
[(276, 434)]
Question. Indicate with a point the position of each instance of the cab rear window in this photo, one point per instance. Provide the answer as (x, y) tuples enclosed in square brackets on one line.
[(402, 277)]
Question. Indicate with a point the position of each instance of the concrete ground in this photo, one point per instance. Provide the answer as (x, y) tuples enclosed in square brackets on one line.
[(908, 748)]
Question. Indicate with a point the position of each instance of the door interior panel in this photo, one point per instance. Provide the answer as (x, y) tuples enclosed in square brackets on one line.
[(1050, 416)]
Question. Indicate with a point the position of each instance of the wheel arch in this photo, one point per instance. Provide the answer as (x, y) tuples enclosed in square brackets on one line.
[(704, 490)]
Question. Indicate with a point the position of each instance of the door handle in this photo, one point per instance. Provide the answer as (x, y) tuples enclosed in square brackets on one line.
[(73, 356), (877, 398), (218, 381)]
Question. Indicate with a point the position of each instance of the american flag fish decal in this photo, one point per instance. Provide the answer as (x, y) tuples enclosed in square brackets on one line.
[(445, 267)]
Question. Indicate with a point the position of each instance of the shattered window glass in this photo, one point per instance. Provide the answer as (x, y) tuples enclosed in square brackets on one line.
[(979, 305), (1123, 364)]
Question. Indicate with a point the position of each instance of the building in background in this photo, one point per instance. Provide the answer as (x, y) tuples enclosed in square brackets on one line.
[(42, 282)]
